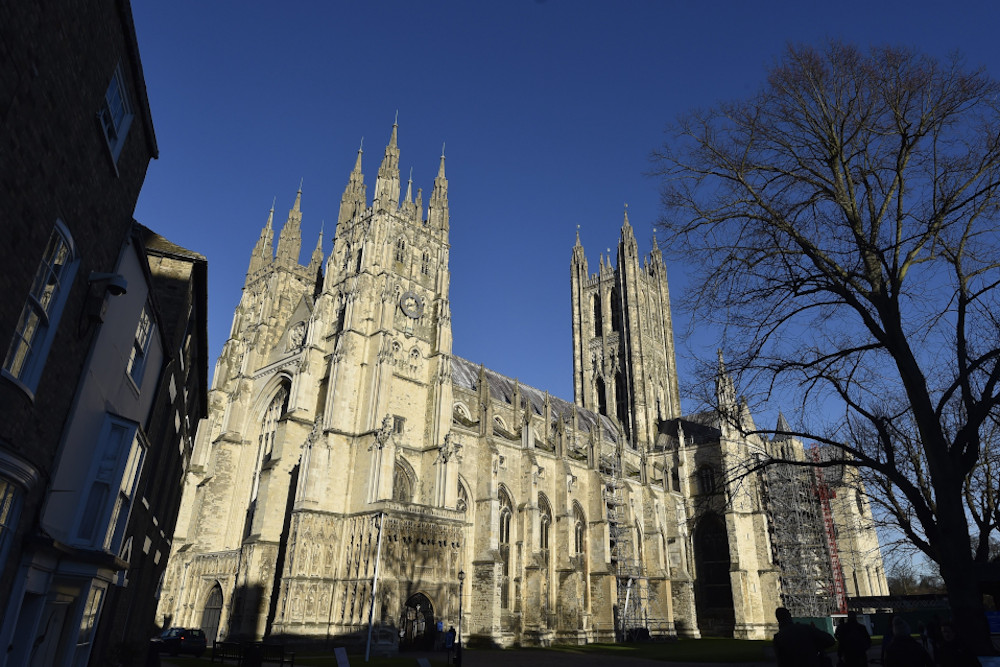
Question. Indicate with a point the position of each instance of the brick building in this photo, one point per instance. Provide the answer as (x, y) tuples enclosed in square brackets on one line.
[(83, 344)]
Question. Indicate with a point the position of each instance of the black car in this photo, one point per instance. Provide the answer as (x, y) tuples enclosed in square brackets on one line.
[(180, 640)]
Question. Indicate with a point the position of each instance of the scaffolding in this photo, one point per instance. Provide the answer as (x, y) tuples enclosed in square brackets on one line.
[(800, 527), (838, 591), (631, 582)]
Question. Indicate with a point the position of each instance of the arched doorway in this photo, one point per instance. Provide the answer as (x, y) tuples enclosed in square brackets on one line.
[(212, 614), (417, 625), (714, 589)]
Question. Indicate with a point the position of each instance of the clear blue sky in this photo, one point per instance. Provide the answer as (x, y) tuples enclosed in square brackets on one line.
[(549, 110)]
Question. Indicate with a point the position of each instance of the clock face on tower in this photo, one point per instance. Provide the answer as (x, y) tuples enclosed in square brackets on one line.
[(412, 304)]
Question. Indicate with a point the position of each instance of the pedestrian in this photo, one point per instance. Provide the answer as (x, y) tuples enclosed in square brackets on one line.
[(799, 645), (951, 652), (903, 650), (853, 642), (934, 633)]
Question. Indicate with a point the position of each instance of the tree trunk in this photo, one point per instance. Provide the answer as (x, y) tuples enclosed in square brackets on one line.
[(961, 579)]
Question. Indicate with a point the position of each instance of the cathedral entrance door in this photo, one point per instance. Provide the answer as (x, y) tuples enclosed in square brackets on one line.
[(212, 614), (417, 624)]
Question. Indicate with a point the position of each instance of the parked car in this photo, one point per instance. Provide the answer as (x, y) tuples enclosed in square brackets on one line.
[(180, 640)]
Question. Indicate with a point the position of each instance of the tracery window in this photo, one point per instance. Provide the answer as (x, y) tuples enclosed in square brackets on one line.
[(579, 530), (400, 249), (265, 447), (506, 514), (425, 264), (598, 320), (706, 479), (544, 523), (402, 484)]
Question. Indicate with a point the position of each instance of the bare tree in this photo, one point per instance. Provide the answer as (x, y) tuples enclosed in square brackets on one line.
[(842, 225)]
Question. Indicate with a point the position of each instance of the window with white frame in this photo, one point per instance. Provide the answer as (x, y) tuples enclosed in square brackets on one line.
[(10, 504), (88, 623), (116, 115), (140, 346), (114, 476), (42, 309)]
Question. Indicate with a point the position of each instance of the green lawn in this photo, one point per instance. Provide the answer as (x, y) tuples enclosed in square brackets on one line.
[(709, 649), (326, 660)]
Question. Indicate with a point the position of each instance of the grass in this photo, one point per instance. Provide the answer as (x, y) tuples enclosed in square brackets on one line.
[(307, 660), (709, 649)]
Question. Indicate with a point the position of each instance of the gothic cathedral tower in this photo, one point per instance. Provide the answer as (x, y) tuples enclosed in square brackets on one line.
[(624, 365), (331, 404)]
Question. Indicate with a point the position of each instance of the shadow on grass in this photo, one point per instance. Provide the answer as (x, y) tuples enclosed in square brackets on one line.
[(709, 649)]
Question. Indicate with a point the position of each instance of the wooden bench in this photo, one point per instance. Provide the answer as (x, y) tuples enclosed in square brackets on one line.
[(269, 653)]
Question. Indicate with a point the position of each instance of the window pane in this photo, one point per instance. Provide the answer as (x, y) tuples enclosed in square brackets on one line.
[(8, 496)]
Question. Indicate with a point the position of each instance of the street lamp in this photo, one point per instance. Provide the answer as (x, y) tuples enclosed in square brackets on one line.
[(461, 591)]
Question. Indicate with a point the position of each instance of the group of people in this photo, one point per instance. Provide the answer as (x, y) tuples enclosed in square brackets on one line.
[(801, 645)]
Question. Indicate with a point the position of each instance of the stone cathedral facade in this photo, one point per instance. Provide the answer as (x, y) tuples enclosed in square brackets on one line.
[(344, 436)]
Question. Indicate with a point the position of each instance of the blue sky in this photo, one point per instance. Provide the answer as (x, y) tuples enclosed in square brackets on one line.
[(549, 111)]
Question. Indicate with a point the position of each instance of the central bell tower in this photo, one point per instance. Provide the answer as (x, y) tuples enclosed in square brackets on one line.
[(624, 365)]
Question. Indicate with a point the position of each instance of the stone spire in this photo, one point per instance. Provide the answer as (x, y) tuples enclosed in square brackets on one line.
[(437, 216), (290, 238), (317, 256), (409, 208), (387, 183), (725, 390), (263, 254), (627, 242), (782, 428), (352, 203), (579, 257), (316, 263)]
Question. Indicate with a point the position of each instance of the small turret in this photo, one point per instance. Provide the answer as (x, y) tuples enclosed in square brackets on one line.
[(263, 254), (354, 200), (409, 208), (387, 183), (579, 257), (725, 390), (437, 216), (290, 238), (627, 243), (316, 263)]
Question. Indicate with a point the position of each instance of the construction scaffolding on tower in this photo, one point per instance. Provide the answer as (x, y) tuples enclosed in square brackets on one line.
[(837, 589), (632, 585), (800, 542)]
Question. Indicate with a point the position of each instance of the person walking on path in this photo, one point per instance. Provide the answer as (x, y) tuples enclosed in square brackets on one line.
[(903, 650), (799, 645), (951, 652), (853, 642)]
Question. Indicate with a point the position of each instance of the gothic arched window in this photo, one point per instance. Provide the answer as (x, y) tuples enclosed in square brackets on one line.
[(401, 249), (579, 530), (506, 515), (544, 523), (425, 264), (402, 484), (463, 498), (265, 446), (706, 479), (598, 320), (269, 425)]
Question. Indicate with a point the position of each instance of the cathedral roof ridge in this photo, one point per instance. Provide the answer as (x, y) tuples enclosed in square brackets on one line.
[(465, 374)]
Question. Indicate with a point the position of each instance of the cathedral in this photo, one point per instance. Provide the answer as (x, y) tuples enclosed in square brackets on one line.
[(352, 469)]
